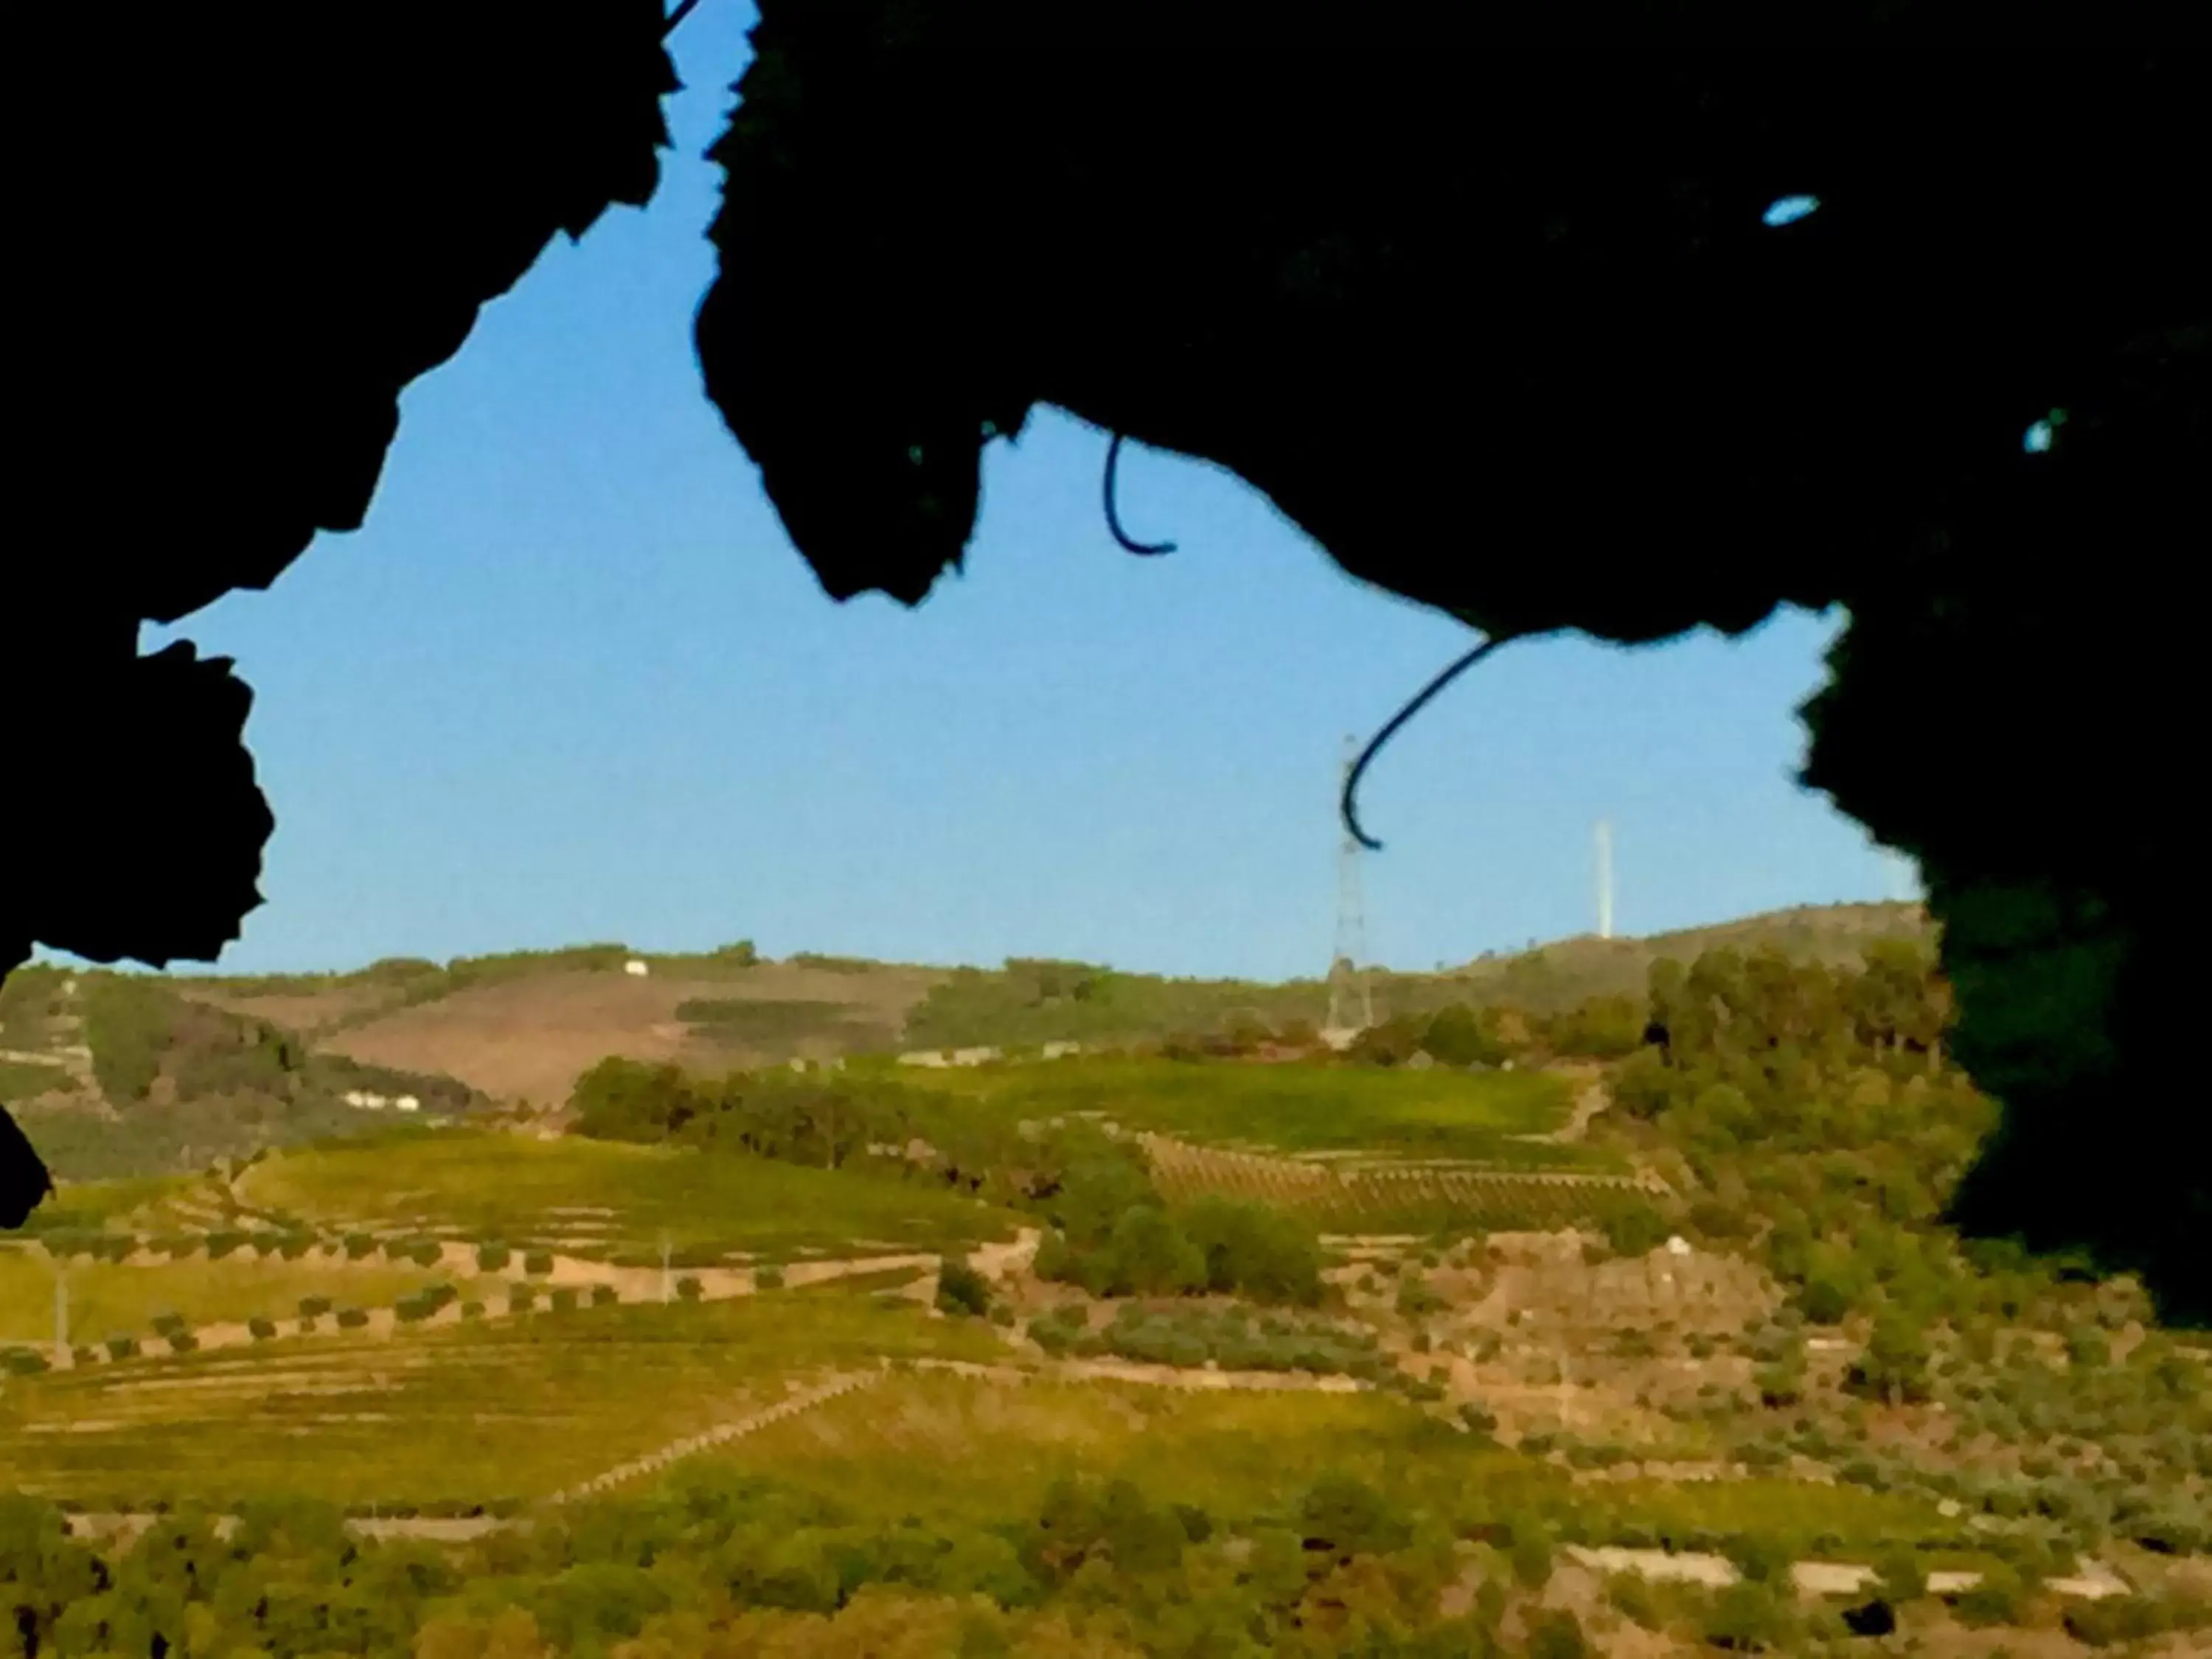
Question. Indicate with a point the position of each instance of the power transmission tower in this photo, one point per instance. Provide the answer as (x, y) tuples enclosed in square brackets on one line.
[(1349, 991)]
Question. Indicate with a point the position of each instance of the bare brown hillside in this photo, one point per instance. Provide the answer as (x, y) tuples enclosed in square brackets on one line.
[(527, 1039)]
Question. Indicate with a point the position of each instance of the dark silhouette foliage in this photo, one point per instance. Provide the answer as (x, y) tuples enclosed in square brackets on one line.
[(1585, 383)]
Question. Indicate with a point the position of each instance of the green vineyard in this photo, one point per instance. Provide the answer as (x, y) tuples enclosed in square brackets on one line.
[(1398, 1198)]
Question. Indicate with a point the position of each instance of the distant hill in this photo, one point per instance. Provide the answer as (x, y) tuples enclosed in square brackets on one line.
[(522, 1026), (121, 1074)]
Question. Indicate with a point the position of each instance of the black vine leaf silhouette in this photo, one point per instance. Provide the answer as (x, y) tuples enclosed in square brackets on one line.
[(23, 1177), (1959, 390), (1669, 371)]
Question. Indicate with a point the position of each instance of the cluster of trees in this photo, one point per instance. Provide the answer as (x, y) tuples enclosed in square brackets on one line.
[(1114, 1235), (1816, 1114), (723, 1565), (1232, 1338), (1497, 1034)]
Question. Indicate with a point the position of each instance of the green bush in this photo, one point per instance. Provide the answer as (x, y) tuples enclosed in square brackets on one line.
[(183, 1342), (1556, 1634), (121, 1347), (24, 1361), (1751, 1617), (1633, 1598), (1416, 1298), (563, 1299), (767, 1277), (313, 1307), (427, 1253), (352, 1319), (1531, 1554), (221, 1244), (538, 1263), (293, 1246), (603, 1295), (1634, 1229), (262, 1328), (691, 1290), (359, 1246), (492, 1256), (472, 1310), (960, 1289), (166, 1323), (520, 1298)]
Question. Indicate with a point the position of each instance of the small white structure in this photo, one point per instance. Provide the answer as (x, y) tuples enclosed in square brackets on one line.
[(1678, 1245), (636, 968), (974, 1056), (407, 1103), (1338, 1037), (924, 1057), (1062, 1050), (361, 1100)]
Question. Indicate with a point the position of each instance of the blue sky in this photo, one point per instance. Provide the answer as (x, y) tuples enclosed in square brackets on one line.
[(572, 681)]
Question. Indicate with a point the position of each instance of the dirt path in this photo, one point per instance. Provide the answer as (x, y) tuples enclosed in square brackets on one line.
[(1590, 1098)]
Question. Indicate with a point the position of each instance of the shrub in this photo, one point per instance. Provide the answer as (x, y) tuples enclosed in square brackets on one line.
[(262, 1328), (538, 1263), (1750, 1618), (691, 1290), (351, 1319), (183, 1342), (166, 1323), (427, 1253), (1999, 1599), (181, 1246), (1760, 1560), (1634, 1229), (1531, 1555), (84, 1355), (472, 1310), (520, 1298), (313, 1307), (24, 1361), (563, 1299), (1416, 1299), (960, 1289), (491, 1257), (293, 1246), (1556, 1634), (2116, 1619), (359, 1246), (411, 1309), (1632, 1598), (122, 1347), (767, 1277), (221, 1244), (603, 1295)]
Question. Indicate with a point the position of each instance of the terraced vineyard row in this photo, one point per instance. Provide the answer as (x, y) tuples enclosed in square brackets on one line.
[(1384, 1198)]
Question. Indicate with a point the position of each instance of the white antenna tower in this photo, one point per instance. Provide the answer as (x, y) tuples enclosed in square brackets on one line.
[(1604, 879), (1347, 980)]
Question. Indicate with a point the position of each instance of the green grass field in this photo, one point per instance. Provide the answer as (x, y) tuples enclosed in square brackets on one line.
[(107, 1299), (462, 1414), (1293, 1108), (145, 1204), (957, 1448), (616, 1198)]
